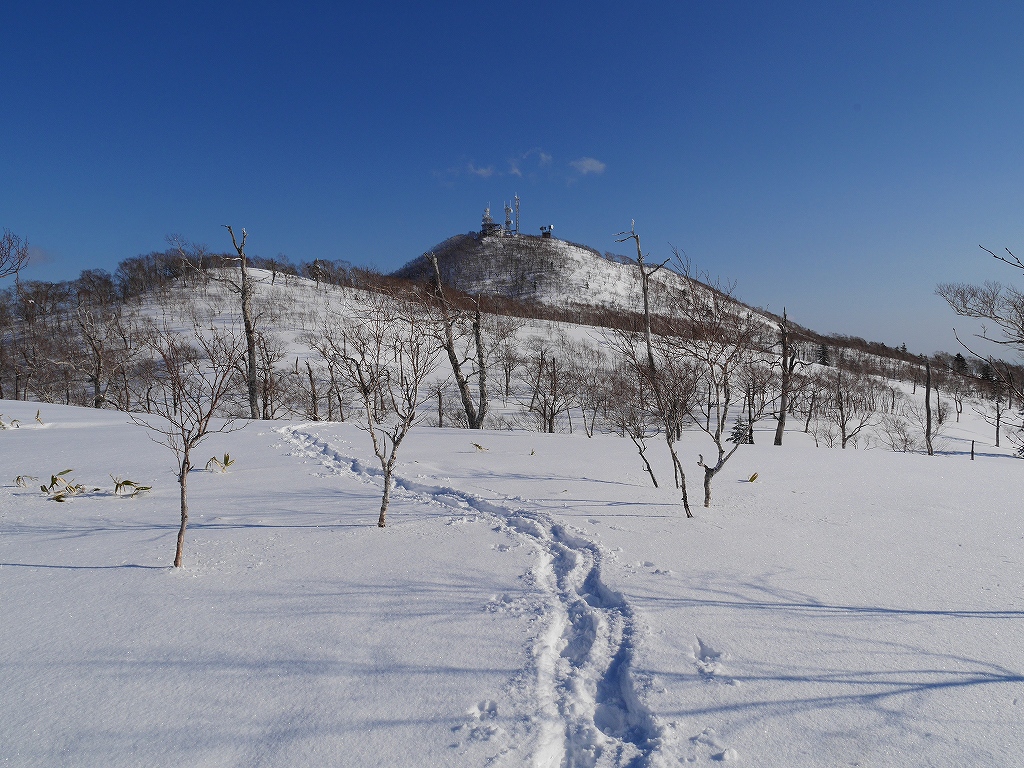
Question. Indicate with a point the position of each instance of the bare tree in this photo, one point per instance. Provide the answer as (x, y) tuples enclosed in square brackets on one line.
[(547, 382), (761, 382), (192, 256), (244, 289), (114, 338), (991, 407), (787, 366), (957, 383), (669, 392), (629, 412), (450, 321), (388, 353), (44, 342), (472, 340), (325, 332), (809, 391), (669, 384), (903, 425), (928, 407), (196, 372), (13, 254), (851, 403), (588, 381), (722, 338), (275, 384), (998, 304), (507, 356)]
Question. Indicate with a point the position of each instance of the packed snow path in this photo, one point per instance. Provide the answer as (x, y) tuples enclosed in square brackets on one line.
[(588, 711)]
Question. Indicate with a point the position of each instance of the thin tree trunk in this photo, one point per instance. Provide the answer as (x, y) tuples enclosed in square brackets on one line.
[(481, 364), (750, 415), (999, 417), (645, 277), (386, 498), (250, 332), (183, 483), (680, 476), (707, 426), (474, 416), (785, 382), (647, 465), (250, 342), (97, 391), (928, 407), (312, 392)]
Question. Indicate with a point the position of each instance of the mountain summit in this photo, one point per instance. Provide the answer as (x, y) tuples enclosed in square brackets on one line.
[(543, 269)]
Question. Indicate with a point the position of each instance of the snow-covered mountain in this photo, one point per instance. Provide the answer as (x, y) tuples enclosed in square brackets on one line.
[(544, 270)]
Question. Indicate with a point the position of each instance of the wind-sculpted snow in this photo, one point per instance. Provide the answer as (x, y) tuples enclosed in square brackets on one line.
[(589, 714)]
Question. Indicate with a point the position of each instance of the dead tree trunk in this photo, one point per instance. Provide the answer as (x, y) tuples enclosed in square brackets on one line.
[(475, 412), (247, 321), (314, 397), (928, 407), (784, 383), (652, 372)]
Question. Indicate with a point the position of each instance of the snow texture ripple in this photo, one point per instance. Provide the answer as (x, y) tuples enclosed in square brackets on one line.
[(588, 712)]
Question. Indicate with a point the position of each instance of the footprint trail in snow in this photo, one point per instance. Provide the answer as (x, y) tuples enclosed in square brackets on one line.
[(589, 714)]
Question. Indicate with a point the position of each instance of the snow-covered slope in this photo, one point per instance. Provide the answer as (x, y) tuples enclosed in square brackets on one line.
[(545, 270), (535, 603)]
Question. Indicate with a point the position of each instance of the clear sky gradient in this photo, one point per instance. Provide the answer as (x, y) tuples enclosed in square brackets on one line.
[(838, 159)]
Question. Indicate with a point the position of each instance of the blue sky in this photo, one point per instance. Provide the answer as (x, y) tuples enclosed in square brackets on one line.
[(836, 158)]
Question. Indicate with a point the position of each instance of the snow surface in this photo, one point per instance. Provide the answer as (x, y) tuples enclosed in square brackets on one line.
[(548, 271), (536, 603)]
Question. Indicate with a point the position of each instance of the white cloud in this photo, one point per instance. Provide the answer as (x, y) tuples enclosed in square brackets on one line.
[(588, 165), (529, 162), (483, 173)]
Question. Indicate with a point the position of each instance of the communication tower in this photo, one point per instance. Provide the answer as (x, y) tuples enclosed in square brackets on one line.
[(487, 225)]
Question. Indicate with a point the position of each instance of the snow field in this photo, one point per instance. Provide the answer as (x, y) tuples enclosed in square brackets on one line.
[(536, 603), (262, 651)]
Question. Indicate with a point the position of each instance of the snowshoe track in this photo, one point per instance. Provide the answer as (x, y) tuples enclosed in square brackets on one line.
[(589, 713)]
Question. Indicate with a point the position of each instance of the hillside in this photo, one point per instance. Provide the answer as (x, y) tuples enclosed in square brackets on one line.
[(541, 276), (543, 270), (535, 599)]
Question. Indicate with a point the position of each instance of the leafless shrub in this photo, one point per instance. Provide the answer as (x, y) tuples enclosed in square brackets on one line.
[(387, 351), (196, 371)]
